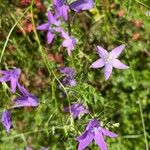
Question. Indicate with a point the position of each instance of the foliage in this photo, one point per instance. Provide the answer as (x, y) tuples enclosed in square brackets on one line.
[(116, 102)]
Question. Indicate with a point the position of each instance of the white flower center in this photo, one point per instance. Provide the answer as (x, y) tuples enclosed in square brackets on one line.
[(108, 59)]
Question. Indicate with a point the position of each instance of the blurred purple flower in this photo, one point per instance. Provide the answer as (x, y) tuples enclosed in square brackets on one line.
[(68, 42), (12, 76), (52, 26), (26, 99), (80, 5), (109, 60), (6, 120), (61, 9), (28, 148), (94, 131), (77, 110), (69, 75)]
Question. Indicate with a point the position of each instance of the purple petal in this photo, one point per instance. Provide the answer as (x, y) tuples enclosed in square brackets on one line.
[(28, 148), (101, 51), (108, 133), (75, 114), (6, 120), (67, 71), (26, 101), (50, 17), (23, 90), (64, 12), (4, 72), (43, 27), (77, 110), (107, 71), (65, 35), (117, 51), (97, 64), (93, 123), (5, 78), (99, 139), (65, 43), (82, 5), (119, 65), (50, 37), (82, 136), (58, 3), (83, 143), (72, 82), (14, 84), (69, 51)]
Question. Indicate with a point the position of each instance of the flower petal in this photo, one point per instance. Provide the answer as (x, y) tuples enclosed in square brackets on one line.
[(43, 27), (50, 37), (14, 84), (108, 133), (97, 64), (23, 90), (83, 143), (26, 101), (107, 71), (4, 72), (6, 120), (72, 82), (101, 51), (64, 12), (117, 51), (5, 78), (99, 139), (82, 5), (50, 17), (119, 65)]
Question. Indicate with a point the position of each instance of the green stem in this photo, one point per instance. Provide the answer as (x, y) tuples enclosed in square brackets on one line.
[(143, 124), (46, 61), (9, 34)]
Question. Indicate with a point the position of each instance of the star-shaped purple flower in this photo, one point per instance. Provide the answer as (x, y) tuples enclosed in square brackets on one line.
[(61, 9), (94, 131), (68, 42), (69, 75), (80, 5), (109, 60), (6, 120), (52, 26), (12, 76), (77, 110), (26, 99)]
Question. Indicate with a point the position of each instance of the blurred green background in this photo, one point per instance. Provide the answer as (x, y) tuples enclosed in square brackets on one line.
[(122, 103)]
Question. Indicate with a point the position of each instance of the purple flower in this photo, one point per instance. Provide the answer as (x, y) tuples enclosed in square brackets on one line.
[(28, 148), (52, 26), (69, 75), (12, 76), (80, 5), (6, 120), (61, 9), (77, 110), (109, 60), (68, 42), (94, 131), (26, 99)]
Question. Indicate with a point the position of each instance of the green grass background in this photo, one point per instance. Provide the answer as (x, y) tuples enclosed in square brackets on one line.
[(122, 103)]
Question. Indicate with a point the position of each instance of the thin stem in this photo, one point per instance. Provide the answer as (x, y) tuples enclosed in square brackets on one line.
[(143, 124), (44, 56), (9, 34), (140, 107)]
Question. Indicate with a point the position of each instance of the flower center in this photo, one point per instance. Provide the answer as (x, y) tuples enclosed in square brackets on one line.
[(108, 59), (95, 130)]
